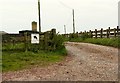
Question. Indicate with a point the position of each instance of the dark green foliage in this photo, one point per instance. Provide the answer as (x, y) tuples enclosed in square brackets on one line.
[(55, 43), (85, 36), (33, 47), (73, 35), (58, 41)]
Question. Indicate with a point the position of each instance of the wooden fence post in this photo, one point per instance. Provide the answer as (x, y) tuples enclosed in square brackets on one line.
[(80, 33), (40, 43), (45, 40), (95, 33), (54, 34), (90, 34), (109, 32), (77, 34), (26, 46), (53, 31), (115, 32), (118, 31), (101, 33)]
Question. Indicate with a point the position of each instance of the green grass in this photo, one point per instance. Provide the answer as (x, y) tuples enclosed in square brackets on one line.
[(13, 60), (10, 46), (114, 42), (76, 40)]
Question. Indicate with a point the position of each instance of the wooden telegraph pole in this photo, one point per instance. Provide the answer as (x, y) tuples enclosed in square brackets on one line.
[(73, 22), (65, 28), (39, 21), (39, 16)]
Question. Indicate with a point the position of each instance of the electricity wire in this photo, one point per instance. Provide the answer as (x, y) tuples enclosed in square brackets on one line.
[(63, 4)]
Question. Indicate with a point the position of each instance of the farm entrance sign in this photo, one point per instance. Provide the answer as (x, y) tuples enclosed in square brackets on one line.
[(35, 38)]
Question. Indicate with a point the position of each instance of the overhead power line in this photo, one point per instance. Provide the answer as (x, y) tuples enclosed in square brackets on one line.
[(66, 6)]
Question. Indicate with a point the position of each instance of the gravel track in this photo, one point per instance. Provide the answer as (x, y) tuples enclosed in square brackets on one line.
[(85, 62)]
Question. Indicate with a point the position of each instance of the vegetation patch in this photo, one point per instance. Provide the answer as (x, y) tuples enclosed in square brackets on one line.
[(114, 42), (13, 60)]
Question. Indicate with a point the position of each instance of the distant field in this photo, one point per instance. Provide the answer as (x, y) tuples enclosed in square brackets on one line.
[(114, 42), (17, 60)]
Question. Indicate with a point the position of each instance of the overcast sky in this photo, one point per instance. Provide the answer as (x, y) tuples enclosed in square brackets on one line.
[(16, 15)]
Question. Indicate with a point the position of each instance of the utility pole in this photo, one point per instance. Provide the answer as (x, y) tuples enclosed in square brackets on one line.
[(73, 22), (39, 16), (65, 28), (118, 21)]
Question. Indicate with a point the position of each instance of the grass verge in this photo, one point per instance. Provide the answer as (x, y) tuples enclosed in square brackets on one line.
[(114, 42), (13, 60)]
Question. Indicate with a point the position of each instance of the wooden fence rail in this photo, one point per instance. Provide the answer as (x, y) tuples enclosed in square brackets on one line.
[(108, 33)]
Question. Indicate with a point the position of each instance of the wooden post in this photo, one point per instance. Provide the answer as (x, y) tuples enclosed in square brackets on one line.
[(118, 31), (26, 47), (39, 12), (65, 29), (77, 34), (39, 16), (90, 34), (115, 32), (95, 33), (45, 40), (53, 36), (53, 31), (101, 33), (109, 32), (73, 22), (80, 33)]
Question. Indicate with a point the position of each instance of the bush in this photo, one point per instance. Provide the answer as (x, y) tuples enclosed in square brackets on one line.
[(58, 41), (85, 36), (73, 36)]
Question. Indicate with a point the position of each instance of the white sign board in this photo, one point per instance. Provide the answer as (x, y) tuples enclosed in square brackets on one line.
[(34, 38)]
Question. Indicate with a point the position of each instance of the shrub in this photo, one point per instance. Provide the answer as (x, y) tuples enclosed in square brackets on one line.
[(85, 36), (58, 41), (73, 36)]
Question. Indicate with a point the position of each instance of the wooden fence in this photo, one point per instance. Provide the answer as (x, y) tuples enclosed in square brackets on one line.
[(46, 41), (108, 33)]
